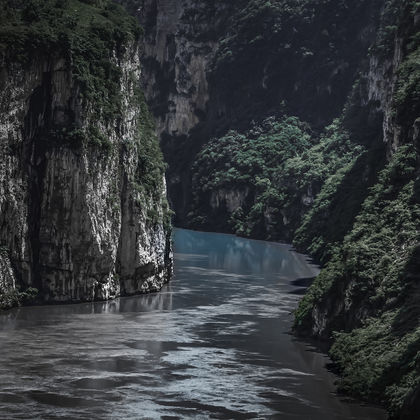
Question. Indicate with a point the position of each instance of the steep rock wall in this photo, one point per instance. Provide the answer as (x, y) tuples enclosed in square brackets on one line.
[(376, 93), (365, 300), (214, 66), (179, 45), (7, 281), (79, 217)]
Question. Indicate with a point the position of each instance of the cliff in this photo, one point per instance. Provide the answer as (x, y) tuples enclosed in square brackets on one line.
[(82, 193), (180, 43), (211, 66), (366, 299)]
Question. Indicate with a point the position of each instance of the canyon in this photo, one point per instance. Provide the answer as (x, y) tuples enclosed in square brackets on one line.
[(298, 121), (280, 120)]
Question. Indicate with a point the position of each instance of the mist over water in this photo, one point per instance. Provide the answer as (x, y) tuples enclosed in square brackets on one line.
[(215, 343)]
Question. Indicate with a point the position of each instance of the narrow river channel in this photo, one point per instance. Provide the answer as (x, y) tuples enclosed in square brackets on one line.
[(215, 343)]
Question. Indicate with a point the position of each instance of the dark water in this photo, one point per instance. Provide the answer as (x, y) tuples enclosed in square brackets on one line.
[(213, 344)]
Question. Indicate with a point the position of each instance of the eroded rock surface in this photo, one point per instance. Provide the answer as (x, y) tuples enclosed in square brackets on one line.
[(76, 218)]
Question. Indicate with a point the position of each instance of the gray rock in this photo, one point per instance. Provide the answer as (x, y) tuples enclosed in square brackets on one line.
[(75, 219)]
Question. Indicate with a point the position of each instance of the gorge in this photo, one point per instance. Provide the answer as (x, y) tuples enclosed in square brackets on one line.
[(284, 120), (298, 121)]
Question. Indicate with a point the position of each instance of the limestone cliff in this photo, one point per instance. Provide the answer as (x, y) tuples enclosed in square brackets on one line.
[(211, 66), (180, 42), (366, 298), (7, 281), (83, 211), (386, 88)]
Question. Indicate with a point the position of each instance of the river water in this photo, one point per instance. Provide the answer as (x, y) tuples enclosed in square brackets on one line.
[(215, 343)]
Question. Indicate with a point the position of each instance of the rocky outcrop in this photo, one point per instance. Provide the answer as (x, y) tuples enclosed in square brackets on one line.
[(76, 214), (176, 65), (228, 200), (7, 281)]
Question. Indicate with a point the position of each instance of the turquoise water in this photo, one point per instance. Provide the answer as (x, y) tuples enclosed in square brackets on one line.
[(215, 343)]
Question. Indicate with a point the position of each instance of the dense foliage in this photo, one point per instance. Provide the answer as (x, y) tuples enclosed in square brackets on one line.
[(249, 163), (87, 33), (278, 167), (333, 211), (378, 266), (369, 289), (148, 179), (15, 298)]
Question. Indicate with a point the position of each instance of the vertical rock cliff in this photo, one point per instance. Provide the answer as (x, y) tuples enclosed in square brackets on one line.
[(82, 192), (211, 66), (180, 42), (366, 298)]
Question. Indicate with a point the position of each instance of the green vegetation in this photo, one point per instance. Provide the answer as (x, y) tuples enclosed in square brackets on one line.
[(339, 200), (148, 180), (279, 167), (15, 298), (345, 196), (377, 265), (258, 24), (384, 44), (380, 361), (151, 167), (250, 164), (304, 53), (379, 245), (406, 98), (89, 35), (369, 290), (95, 138)]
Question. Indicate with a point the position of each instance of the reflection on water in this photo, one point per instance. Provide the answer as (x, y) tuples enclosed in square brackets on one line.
[(213, 344)]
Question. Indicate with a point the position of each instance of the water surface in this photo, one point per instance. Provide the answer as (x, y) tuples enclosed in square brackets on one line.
[(215, 343)]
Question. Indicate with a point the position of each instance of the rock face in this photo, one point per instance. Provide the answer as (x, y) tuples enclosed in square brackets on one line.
[(200, 80), (7, 281), (232, 200), (385, 92), (76, 218), (172, 55), (180, 41), (365, 301)]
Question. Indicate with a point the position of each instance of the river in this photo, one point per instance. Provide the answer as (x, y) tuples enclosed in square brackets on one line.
[(215, 343)]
